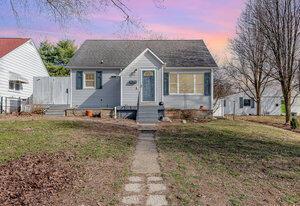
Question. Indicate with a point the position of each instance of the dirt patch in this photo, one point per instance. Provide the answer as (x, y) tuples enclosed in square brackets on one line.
[(98, 184), (32, 180)]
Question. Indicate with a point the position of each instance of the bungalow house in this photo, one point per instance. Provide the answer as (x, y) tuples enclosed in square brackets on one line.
[(19, 63), (130, 73)]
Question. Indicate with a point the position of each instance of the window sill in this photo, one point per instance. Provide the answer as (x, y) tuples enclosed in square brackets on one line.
[(188, 94), (15, 91)]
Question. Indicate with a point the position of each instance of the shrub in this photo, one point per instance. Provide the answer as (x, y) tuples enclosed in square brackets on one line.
[(294, 123)]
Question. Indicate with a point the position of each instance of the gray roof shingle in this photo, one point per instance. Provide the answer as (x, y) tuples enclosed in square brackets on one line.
[(120, 53)]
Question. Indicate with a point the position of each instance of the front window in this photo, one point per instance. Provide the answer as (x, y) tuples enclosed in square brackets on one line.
[(15, 86), (89, 78), (186, 83)]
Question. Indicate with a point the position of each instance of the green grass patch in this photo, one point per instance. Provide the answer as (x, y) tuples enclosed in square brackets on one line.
[(231, 157)]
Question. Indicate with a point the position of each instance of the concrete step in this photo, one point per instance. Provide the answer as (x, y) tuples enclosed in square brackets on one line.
[(56, 110), (148, 115), (54, 113)]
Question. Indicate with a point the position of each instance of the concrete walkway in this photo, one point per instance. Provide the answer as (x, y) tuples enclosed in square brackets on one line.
[(145, 186)]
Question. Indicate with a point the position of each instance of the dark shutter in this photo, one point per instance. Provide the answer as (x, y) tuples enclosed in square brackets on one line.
[(241, 102), (252, 103), (79, 80), (207, 84), (166, 83), (99, 80)]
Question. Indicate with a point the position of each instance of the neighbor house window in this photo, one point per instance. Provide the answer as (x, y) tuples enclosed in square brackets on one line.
[(15, 86), (247, 102), (186, 83), (89, 79), (11, 85)]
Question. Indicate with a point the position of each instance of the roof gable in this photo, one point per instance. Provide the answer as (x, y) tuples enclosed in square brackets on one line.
[(120, 53), (7, 45), (143, 53)]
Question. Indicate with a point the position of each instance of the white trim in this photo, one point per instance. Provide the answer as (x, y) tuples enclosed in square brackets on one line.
[(187, 94), (121, 95), (71, 89), (161, 61), (196, 68), (137, 58), (141, 84), (84, 81), (84, 67), (162, 83)]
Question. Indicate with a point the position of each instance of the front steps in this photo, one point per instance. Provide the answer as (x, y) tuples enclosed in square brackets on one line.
[(147, 114), (56, 110)]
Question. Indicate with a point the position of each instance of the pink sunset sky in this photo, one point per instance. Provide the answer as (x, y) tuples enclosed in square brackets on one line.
[(213, 21)]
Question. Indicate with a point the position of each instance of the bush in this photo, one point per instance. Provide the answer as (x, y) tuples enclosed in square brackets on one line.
[(294, 123)]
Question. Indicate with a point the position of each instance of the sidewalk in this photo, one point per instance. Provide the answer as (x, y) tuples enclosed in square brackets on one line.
[(145, 186)]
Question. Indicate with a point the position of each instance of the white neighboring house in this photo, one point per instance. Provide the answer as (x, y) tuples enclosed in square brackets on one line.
[(19, 63), (271, 103)]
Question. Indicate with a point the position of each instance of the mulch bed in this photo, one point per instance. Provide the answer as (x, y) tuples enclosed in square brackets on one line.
[(32, 180)]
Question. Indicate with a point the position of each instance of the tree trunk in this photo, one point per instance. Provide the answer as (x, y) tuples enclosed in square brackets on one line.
[(258, 107), (288, 101)]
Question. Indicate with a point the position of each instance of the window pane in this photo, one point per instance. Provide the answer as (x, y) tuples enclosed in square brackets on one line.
[(17, 86), (186, 83), (173, 88), (90, 79), (90, 83), (89, 76), (11, 85), (173, 78), (173, 83), (247, 102), (199, 83)]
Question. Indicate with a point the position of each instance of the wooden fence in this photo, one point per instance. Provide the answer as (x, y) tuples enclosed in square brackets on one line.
[(51, 90)]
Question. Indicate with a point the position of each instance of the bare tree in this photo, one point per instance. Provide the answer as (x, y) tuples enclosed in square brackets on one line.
[(61, 11), (222, 86), (279, 23), (248, 67)]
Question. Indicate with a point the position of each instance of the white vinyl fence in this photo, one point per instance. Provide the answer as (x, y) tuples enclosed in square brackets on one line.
[(51, 90)]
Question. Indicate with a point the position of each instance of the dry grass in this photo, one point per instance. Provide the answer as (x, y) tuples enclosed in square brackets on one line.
[(230, 163), (102, 153), (276, 121)]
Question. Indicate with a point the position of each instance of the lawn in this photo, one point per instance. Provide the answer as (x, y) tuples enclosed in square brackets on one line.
[(277, 121), (227, 162), (61, 161)]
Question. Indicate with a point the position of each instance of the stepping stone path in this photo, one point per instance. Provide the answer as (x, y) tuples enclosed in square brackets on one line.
[(145, 186)]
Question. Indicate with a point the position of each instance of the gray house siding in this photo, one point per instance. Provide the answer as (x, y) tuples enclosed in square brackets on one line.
[(173, 101), (107, 97), (133, 73)]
